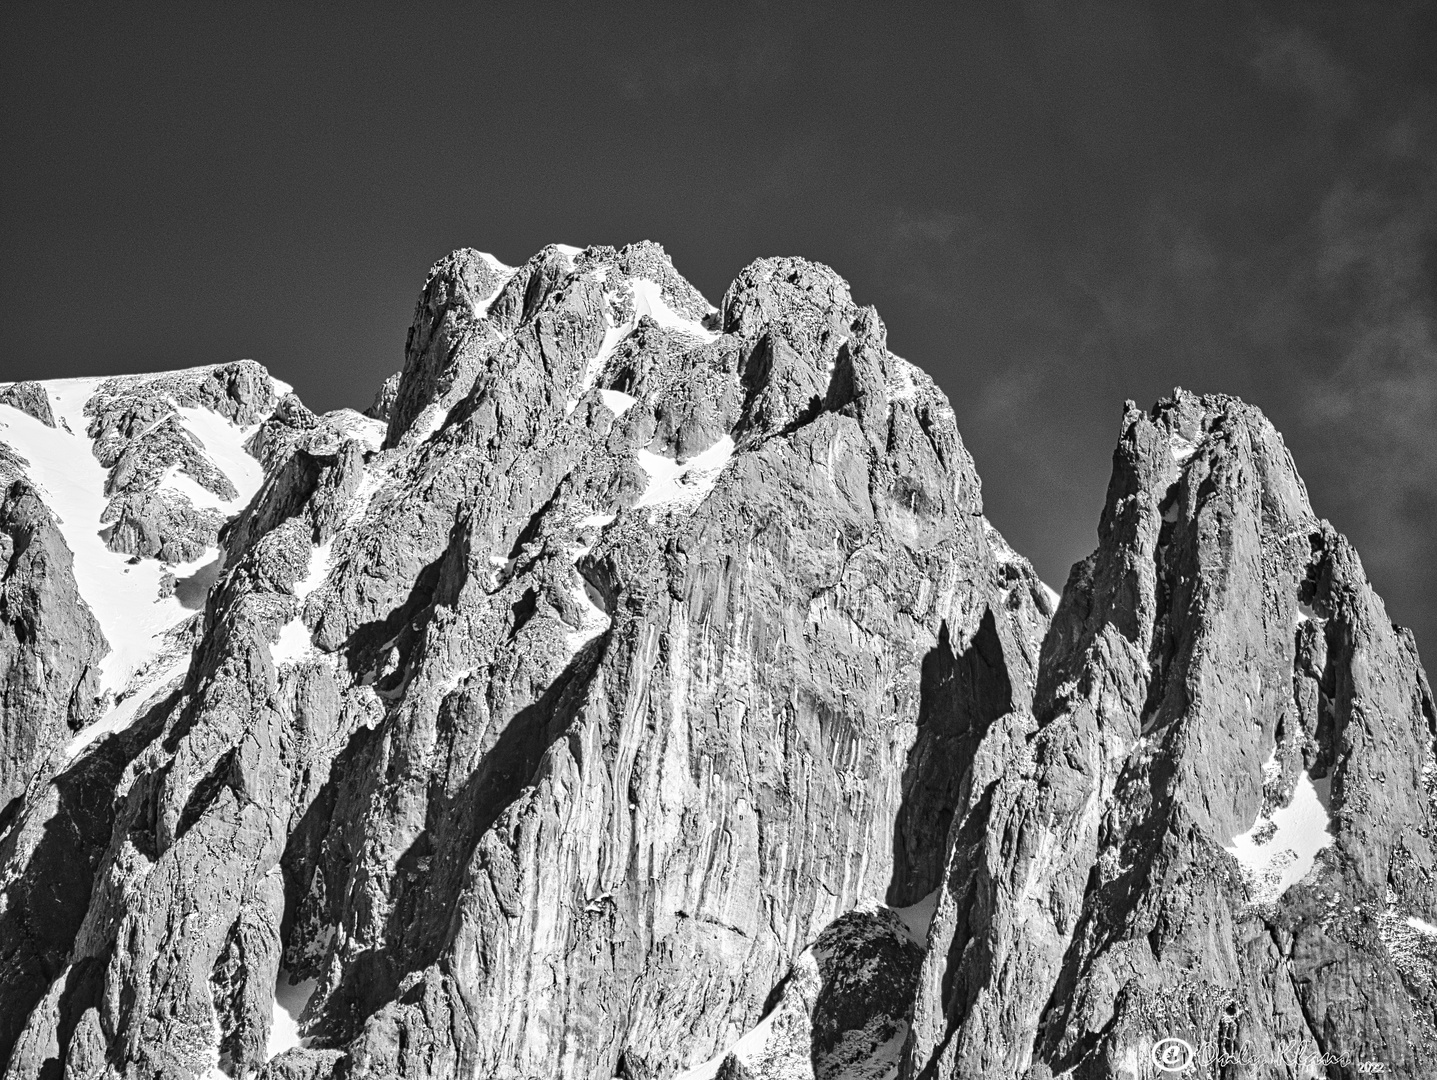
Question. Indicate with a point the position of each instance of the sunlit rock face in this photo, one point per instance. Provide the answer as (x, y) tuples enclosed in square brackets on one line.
[(637, 690), (1216, 825)]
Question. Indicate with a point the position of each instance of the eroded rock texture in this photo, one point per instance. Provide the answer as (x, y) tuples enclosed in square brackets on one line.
[(30, 398), (548, 736), (1217, 662), (167, 495), (637, 690), (50, 644)]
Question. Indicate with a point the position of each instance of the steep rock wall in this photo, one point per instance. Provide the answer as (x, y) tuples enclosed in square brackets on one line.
[(547, 735), (1219, 815)]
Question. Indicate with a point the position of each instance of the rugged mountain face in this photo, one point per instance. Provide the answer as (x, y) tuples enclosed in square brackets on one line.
[(541, 738), (1216, 824), (637, 690), (50, 654)]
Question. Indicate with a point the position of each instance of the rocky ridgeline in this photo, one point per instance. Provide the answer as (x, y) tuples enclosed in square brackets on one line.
[(168, 497), (637, 690)]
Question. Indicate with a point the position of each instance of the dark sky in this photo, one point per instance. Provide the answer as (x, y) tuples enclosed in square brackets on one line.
[(1054, 206)]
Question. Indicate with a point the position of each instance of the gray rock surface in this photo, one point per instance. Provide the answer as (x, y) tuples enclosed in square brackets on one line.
[(638, 690), (30, 398), (50, 644), (633, 749), (50, 648), (140, 435), (383, 403), (1218, 661), (840, 1012)]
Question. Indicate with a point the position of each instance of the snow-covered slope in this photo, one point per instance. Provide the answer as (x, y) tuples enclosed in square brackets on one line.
[(140, 601)]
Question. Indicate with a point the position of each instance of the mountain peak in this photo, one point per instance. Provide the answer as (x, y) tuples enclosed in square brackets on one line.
[(638, 690)]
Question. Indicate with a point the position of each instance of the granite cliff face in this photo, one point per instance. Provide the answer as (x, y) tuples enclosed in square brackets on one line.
[(637, 690)]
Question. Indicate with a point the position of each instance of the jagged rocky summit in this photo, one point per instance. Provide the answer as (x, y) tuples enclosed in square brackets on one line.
[(637, 690)]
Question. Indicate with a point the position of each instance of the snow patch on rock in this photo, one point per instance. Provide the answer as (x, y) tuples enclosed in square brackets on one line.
[(290, 1000), (224, 442), (1410, 942), (1004, 554), (675, 485), (201, 498), (617, 402), (649, 300), (902, 386), (594, 619), (1279, 851), (124, 597), (130, 704), (355, 425), (428, 423), (594, 365), (1181, 447), (295, 641), (752, 1045), (481, 308), (917, 918)]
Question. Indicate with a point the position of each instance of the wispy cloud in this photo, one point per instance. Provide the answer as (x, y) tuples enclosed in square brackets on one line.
[(675, 61), (1373, 297), (1291, 58)]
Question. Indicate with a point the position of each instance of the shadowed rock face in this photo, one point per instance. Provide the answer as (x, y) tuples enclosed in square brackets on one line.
[(638, 691), (50, 644)]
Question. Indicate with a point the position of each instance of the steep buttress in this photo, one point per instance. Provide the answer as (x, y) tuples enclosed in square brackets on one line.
[(1216, 825)]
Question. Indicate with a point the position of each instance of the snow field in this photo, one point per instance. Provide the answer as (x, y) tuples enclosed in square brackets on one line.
[(685, 485), (649, 300), (290, 1000), (1299, 831), (124, 596)]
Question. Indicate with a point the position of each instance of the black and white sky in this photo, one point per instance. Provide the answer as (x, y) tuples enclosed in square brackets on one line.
[(1055, 206)]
